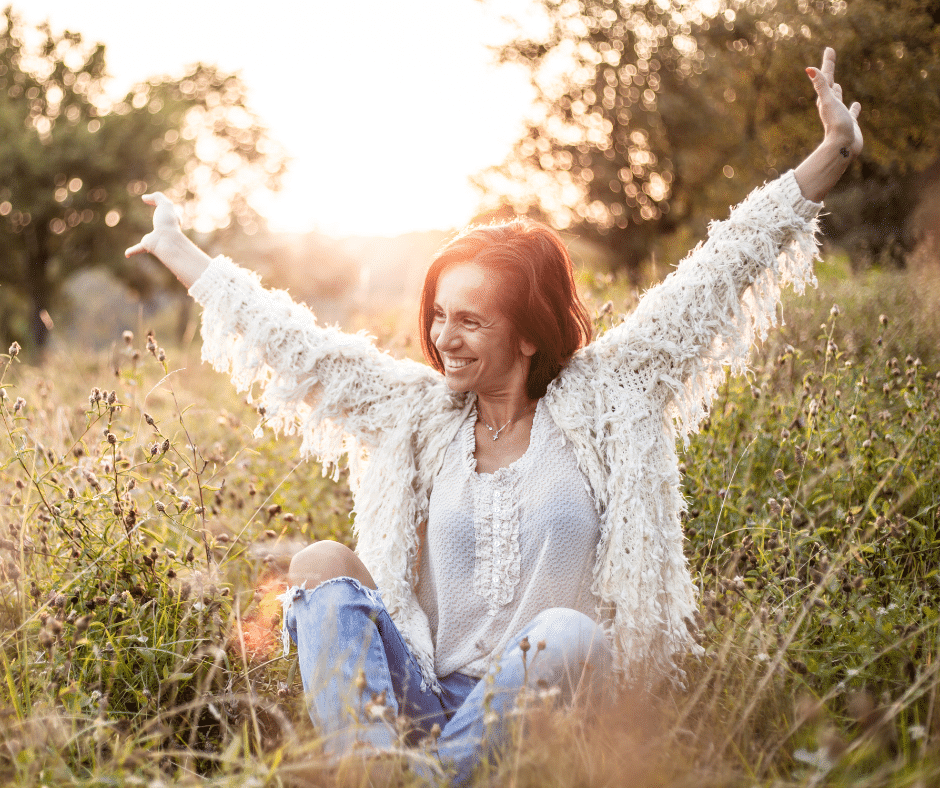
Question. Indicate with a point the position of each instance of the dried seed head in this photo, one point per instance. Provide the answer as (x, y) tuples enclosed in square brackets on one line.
[(190, 555), (112, 438), (524, 645), (128, 337), (19, 405), (160, 507), (883, 319), (149, 419), (151, 343), (161, 354), (773, 506), (360, 681), (82, 624), (112, 397), (71, 494), (166, 445), (14, 350), (779, 476), (46, 639)]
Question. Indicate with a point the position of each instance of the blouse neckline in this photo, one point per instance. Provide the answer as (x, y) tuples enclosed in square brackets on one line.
[(470, 443)]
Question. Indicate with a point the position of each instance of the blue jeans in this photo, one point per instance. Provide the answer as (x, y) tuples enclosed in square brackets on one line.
[(352, 657)]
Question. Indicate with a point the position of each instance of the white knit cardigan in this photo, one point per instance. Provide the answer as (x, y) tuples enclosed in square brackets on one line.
[(622, 401)]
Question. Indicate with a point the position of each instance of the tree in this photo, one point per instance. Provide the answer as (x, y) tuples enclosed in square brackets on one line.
[(73, 166), (653, 116)]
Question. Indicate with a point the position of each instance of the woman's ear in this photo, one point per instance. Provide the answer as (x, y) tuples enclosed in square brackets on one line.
[(527, 348)]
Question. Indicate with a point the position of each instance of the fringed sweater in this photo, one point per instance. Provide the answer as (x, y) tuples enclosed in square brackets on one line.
[(622, 402)]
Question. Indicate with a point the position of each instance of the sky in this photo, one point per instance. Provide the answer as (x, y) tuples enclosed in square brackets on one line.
[(386, 107)]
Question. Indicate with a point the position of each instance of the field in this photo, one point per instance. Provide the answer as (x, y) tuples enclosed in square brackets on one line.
[(144, 528)]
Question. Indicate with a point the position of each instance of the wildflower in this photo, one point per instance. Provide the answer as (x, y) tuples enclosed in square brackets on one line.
[(14, 350), (834, 312)]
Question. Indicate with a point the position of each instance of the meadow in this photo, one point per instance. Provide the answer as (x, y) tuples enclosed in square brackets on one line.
[(144, 529)]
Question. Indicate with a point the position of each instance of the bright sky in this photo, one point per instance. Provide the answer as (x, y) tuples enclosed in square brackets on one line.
[(386, 106)]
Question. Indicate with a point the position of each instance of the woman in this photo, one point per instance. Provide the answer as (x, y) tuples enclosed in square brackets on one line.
[(517, 515)]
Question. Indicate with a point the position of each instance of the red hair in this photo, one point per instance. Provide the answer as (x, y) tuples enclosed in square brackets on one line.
[(540, 299)]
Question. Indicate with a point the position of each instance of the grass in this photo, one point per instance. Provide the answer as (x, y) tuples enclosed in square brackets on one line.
[(143, 532)]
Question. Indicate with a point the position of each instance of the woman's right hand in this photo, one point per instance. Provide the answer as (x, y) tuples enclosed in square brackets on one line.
[(167, 243)]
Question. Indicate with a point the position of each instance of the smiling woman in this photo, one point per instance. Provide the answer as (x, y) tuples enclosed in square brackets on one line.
[(530, 494)]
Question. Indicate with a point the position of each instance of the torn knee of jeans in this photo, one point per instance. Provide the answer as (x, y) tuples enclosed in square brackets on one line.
[(287, 599)]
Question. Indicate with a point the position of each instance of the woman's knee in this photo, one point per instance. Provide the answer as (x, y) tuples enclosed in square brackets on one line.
[(325, 560), (570, 639)]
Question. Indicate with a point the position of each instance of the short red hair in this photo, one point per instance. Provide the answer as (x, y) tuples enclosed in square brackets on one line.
[(540, 299)]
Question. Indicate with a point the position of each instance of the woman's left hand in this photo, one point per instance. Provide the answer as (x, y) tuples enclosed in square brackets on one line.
[(839, 122), (821, 170)]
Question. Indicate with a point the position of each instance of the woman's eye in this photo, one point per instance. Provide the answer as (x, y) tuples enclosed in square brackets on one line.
[(470, 323), (438, 315)]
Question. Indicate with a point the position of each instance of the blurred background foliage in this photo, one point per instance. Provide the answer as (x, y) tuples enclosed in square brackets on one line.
[(73, 165), (652, 117)]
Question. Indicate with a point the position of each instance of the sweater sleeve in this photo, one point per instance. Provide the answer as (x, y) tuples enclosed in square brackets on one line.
[(706, 314), (337, 390)]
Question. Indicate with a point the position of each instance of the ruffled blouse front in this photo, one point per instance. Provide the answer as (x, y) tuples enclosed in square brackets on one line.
[(503, 546)]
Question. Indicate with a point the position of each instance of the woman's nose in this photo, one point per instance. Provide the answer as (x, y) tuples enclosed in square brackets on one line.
[(447, 338)]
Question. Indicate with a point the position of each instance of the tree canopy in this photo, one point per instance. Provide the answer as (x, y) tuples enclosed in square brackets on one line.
[(73, 165), (652, 116)]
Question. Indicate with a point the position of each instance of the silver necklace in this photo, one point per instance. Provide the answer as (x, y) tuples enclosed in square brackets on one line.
[(496, 432)]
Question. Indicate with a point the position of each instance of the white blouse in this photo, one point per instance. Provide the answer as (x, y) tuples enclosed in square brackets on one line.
[(502, 547)]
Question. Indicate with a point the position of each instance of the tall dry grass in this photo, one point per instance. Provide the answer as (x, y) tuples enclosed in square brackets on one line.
[(143, 531)]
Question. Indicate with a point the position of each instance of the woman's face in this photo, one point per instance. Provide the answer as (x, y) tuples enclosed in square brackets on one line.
[(477, 343)]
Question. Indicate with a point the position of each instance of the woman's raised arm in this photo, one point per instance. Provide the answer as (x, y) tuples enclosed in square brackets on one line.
[(705, 315), (318, 381)]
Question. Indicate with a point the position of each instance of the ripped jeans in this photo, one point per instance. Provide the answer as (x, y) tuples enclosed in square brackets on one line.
[(344, 634)]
